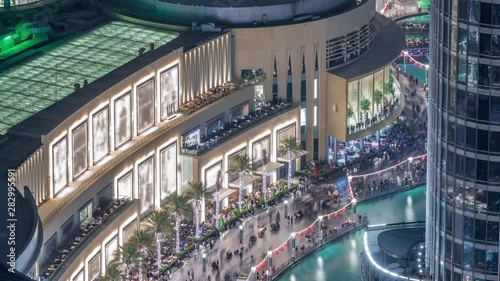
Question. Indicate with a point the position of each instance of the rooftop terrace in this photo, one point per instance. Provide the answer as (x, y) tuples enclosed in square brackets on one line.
[(36, 83)]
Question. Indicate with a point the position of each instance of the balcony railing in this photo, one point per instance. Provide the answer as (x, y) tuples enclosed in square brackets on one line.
[(69, 255), (231, 129)]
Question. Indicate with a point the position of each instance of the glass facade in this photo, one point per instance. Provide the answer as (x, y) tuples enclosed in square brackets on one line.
[(369, 100), (463, 186)]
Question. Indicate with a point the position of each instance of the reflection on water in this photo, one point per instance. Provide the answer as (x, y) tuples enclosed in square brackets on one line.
[(341, 260)]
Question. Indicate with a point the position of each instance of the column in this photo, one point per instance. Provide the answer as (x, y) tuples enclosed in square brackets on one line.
[(282, 69), (354, 201), (320, 232), (270, 264), (378, 139), (335, 151), (309, 62), (241, 233), (292, 244), (204, 256), (286, 209)]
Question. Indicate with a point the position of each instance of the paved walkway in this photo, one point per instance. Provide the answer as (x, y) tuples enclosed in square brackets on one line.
[(230, 241), (272, 240)]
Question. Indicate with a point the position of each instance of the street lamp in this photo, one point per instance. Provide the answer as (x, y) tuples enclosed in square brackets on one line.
[(426, 73), (269, 264), (286, 208), (354, 201), (241, 233), (405, 54), (410, 159), (204, 256)]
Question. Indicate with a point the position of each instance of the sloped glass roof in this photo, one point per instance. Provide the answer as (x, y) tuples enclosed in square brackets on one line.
[(31, 86)]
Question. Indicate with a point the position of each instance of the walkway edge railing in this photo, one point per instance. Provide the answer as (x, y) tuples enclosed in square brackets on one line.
[(290, 263), (370, 261)]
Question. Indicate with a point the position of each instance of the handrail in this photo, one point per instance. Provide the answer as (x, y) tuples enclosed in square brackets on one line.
[(258, 120), (366, 254), (90, 237), (284, 266)]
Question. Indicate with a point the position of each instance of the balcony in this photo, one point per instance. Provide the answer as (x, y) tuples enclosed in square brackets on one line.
[(227, 131), (69, 254)]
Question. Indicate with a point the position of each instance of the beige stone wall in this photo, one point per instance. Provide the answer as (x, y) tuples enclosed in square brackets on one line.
[(336, 107), (259, 47)]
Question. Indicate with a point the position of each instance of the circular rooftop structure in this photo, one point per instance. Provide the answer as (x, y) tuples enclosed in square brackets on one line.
[(235, 12), (398, 243)]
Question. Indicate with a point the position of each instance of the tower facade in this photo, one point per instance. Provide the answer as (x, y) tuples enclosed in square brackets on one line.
[(463, 184)]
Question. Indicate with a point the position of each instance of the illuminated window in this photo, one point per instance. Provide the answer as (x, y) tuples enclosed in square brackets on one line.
[(315, 115), (303, 116), (315, 88)]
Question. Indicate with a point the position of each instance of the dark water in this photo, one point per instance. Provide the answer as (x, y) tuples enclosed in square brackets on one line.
[(341, 261)]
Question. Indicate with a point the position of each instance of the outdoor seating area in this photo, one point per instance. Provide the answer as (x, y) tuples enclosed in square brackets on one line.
[(208, 97), (414, 27), (86, 233), (417, 41), (230, 129)]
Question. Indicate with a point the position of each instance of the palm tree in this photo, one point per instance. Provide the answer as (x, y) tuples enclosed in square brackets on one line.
[(242, 165), (289, 145), (217, 190), (198, 192), (143, 240), (160, 224), (178, 204), (264, 174), (129, 256), (113, 273)]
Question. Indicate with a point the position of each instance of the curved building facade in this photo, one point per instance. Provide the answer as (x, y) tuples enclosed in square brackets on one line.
[(463, 187), (113, 108)]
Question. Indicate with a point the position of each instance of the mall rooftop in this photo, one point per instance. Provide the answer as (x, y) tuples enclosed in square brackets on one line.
[(39, 81)]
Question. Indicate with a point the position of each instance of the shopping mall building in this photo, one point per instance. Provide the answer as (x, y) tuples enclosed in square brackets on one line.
[(157, 94)]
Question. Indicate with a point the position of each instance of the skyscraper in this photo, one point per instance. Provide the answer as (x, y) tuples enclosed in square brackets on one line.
[(463, 181)]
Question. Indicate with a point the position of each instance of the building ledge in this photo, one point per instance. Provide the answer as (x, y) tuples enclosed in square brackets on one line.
[(388, 44)]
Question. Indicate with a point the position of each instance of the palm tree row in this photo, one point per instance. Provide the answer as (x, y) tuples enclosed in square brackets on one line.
[(145, 242), (131, 255)]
